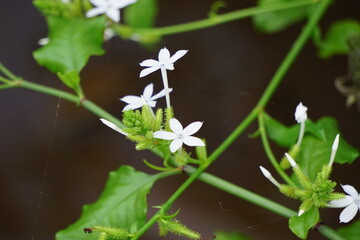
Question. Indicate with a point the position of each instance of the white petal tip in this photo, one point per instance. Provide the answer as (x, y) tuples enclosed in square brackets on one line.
[(300, 113), (265, 172), (336, 143), (291, 160), (301, 212)]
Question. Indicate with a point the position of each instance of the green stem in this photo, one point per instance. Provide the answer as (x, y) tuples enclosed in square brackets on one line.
[(243, 193), (269, 153), (7, 73), (329, 233), (223, 18)]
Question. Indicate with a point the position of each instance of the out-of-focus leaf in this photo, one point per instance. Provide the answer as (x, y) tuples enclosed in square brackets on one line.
[(335, 40), (122, 204), (72, 42), (70, 79), (220, 235), (141, 14), (350, 232), (301, 225), (316, 146), (275, 21)]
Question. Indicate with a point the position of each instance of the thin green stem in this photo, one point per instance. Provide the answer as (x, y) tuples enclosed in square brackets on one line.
[(223, 18), (243, 193), (7, 73), (329, 233), (269, 153)]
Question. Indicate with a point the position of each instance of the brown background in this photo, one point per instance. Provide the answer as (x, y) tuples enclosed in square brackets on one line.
[(55, 157)]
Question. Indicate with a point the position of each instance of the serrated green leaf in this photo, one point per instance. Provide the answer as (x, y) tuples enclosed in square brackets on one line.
[(220, 235), (301, 225), (72, 42), (335, 40), (122, 204), (350, 232), (316, 146), (141, 14), (275, 21)]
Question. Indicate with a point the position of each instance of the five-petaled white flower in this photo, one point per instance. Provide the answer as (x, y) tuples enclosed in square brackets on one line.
[(165, 61), (350, 202), (180, 135), (109, 7), (135, 102)]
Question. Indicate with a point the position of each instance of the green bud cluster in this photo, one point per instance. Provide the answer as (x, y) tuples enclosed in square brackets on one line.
[(140, 126), (111, 233), (317, 193), (57, 8)]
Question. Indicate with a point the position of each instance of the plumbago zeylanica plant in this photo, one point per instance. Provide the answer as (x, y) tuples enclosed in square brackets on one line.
[(77, 30)]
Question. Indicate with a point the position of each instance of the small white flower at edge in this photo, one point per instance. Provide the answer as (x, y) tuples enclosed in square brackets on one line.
[(108, 7), (300, 113), (180, 135), (135, 102), (350, 202), (165, 61), (112, 126)]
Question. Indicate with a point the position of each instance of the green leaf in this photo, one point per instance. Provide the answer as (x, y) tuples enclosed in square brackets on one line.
[(220, 235), (141, 14), (301, 225), (335, 40), (350, 232), (122, 204), (70, 79), (316, 146), (315, 152), (276, 21), (72, 42)]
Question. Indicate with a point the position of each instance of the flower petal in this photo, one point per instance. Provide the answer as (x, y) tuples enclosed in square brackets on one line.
[(169, 66), (113, 14), (175, 126), (348, 213), (147, 71), (133, 106), (164, 56), (350, 190), (150, 63), (148, 91), (175, 145), (121, 4), (160, 94), (193, 141), (95, 11), (300, 113), (192, 128), (112, 126), (131, 99), (98, 2), (179, 54), (341, 203), (165, 135)]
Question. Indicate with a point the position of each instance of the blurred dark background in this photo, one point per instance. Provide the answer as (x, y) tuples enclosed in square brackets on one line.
[(55, 156)]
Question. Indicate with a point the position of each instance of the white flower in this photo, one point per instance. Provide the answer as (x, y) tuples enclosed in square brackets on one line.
[(300, 113), (135, 102), (109, 7), (180, 135), (165, 61), (350, 202), (301, 117), (43, 41), (112, 126), (268, 175)]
